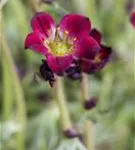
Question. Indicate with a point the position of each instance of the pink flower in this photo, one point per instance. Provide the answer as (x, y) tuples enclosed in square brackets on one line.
[(132, 19), (100, 59), (63, 44)]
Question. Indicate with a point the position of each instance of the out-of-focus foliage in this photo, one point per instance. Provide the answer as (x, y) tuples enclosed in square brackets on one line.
[(30, 104)]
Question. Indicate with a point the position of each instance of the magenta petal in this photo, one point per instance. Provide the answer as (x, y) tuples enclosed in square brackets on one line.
[(105, 52), (86, 48), (132, 19), (87, 66), (34, 41), (75, 25), (44, 23), (101, 59), (103, 56), (59, 64), (96, 35)]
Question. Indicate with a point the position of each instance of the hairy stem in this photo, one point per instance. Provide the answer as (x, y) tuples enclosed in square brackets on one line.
[(88, 135), (88, 127), (85, 87), (61, 101)]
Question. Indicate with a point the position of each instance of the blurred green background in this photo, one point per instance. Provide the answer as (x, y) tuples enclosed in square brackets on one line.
[(26, 102)]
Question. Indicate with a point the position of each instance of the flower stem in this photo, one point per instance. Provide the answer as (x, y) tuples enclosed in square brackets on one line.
[(16, 88), (88, 135), (18, 95), (35, 4), (85, 87), (7, 91), (61, 101)]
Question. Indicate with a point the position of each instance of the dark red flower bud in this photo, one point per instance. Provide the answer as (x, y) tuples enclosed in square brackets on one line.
[(47, 73), (42, 97), (130, 5), (75, 76), (70, 133), (90, 104), (74, 72), (48, 1)]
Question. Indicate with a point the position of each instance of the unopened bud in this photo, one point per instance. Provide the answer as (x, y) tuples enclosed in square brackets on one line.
[(70, 133), (90, 104)]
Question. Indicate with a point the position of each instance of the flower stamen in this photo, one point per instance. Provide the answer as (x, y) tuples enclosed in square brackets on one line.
[(66, 32), (59, 48), (97, 59)]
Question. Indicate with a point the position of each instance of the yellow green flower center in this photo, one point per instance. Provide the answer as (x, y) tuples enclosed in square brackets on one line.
[(60, 48)]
